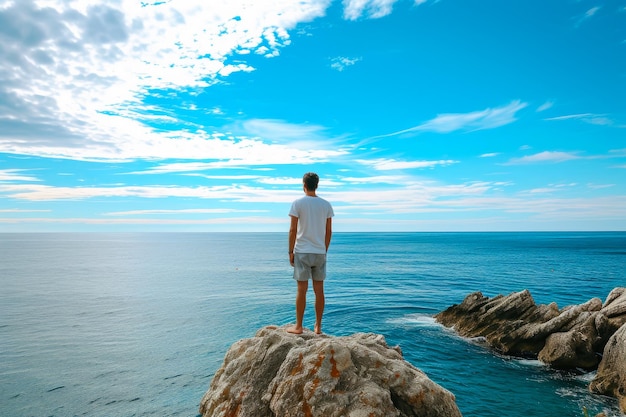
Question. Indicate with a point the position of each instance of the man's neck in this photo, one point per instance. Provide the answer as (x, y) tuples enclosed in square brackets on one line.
[(310, 193)]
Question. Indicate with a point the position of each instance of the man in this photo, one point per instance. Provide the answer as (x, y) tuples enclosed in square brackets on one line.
[(309, 238)]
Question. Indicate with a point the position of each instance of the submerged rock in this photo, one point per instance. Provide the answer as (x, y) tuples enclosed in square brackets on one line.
[(280, 374)]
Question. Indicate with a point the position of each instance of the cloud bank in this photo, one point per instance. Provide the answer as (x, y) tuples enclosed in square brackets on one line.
[(74, 74)]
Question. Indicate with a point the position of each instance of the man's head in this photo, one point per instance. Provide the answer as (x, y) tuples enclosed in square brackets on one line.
[(310, 181)]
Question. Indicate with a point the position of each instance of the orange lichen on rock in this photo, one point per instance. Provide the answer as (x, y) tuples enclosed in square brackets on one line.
[(334, 372), (318, 364), (298, 368)]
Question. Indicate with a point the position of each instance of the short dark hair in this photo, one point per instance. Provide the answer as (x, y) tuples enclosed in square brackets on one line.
[(311, 179)]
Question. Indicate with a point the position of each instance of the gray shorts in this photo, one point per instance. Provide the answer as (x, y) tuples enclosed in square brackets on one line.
[(309, 265)]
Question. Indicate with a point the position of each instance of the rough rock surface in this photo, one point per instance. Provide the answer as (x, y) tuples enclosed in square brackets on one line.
[(514, 325), (571, 338), (611, 377), (279, 374)]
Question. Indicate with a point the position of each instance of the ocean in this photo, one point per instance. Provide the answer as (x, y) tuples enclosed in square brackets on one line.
[(137, 324)]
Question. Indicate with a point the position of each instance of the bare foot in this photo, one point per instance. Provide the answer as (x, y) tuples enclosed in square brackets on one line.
[(317, 329), (294, 330)]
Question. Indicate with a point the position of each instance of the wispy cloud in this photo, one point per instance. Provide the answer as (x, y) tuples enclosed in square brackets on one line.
[(588, 15), (275, 131), (408, 195), (552, 188), (23, 211), (600, 186), (238, 193), (560, 156), (13, 175), (224, 222), (377, 179), (354, 9), (591, 118), (385, 164), (490, 118), (181, 211), (544, 157), (545, 106), (341, 63), (373, 9)]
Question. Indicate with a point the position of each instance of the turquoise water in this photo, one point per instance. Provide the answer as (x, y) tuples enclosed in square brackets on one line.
[(137, 324)]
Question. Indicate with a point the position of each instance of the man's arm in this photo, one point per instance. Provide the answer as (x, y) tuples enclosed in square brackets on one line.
[(293, 230), (329, 231)]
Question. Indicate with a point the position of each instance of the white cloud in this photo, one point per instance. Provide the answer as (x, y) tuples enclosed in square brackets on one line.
[(558, 156), (354, 9), (229, 222), (571, 116), (586, 16), (295, 181), (551, 188), (545, 106), (385, 164), (74, 73), (600, 186), (239, 193), (489, 155), (542, 190), (181, 211), (352, 203), (13, 175), (490, 118), (544, 157), (279, 131), (377, 179), (591, 12), (480, 120), (594, 119), (224, 177), (22, 211), (341, 63)]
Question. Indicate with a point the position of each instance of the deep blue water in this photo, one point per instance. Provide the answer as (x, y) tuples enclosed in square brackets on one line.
[(137, 324)]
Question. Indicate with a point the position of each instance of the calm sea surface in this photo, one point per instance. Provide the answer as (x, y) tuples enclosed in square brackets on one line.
[(137, 324)]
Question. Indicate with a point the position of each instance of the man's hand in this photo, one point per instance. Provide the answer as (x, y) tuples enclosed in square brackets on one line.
[(291, 256)]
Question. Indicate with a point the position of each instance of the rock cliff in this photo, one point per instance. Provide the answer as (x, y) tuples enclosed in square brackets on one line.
[(570, 338), (277, 374)]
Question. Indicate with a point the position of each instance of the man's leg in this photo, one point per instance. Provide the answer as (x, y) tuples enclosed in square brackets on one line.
[(303, 286), (318, 287)]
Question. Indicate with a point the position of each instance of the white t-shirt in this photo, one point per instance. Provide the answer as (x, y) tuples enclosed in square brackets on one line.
[(312, 213)]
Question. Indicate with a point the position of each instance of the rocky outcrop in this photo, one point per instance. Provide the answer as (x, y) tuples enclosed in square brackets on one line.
[(514, 325), (570, 338), (611, 376), (280, 374)]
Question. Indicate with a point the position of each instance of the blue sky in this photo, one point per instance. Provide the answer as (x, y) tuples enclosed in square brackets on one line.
[(418, 115)]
